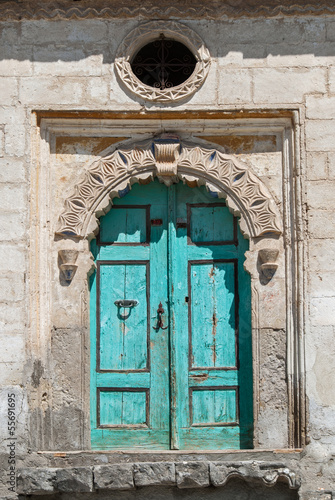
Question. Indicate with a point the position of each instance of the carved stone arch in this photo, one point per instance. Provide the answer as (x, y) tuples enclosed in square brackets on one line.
[(170, 160)]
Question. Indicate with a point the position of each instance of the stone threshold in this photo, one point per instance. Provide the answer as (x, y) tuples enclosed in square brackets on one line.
[(128, 476)]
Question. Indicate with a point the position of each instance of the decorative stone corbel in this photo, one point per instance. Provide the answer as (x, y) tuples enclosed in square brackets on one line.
[(268, 261), (67, 263), (166, 155)]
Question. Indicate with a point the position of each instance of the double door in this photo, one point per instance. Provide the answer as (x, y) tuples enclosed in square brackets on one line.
[(170, 324)]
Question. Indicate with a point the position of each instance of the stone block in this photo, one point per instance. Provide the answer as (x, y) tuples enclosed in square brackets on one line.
[(12, 226), (156, 473), (261, 31), (113, 477), (316, 166), (8, 91), (321, 255), (322, 310), (272, 304), (12, 195), (320, 135), (34, 481), (16, 59), (192, 474), (64, 32), (11, 373), (65, 62), (272, 418), (320, 107), (234, 86), (97, 90), (12, 287), (321, 223), (322, 284), (12, 316), (15, 133), (287, 85), (11, 169), (2, 142), (320, 195), (12, 348), (12, 258), (330, 30), (253, 472), (74, 480), (331, 166), (51, 90), (207, 94)]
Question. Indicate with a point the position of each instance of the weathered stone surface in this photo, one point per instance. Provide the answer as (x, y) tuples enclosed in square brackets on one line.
[(317, 166), (319, 134), (287, 85), (74, 480), (320, 107), (321, 223), (263, 69), (36, 481), (192, 474), (150, 474), (234, 84), (272, 390), (321, 195), (220, 473), (113, 477)]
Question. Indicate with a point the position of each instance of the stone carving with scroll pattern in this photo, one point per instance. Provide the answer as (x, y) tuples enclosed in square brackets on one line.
[(148, 32), (222, 174), (103, 9), (221, 472)]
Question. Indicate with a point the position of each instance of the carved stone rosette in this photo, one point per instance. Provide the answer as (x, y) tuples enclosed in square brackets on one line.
[(148, 32), (222, 174)]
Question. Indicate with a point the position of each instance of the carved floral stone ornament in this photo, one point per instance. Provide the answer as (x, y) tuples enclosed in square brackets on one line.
[(156, 30), (171, 160)]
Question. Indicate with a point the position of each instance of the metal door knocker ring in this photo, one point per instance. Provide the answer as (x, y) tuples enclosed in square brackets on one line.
[(126, 304)]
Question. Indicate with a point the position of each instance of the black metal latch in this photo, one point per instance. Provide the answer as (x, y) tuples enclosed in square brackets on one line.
[(126, 303)]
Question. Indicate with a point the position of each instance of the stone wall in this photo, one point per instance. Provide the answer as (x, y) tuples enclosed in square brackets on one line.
[(260, 69)]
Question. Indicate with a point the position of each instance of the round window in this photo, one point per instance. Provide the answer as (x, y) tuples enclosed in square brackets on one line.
[(163, 63)]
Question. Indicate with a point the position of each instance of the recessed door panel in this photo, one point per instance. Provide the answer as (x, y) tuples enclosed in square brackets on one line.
[(122, 408), (123, 332), (126, 225), (212, 314), (214, 406), (211, 224)]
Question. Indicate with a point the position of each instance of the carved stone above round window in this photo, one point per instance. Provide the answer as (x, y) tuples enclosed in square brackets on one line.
[(162, 61)]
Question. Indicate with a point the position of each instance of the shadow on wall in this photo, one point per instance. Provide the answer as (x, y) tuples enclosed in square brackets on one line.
[(75, 40), (236, 489)]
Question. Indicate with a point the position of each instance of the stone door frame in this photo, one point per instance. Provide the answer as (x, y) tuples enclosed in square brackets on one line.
[(47, 244)]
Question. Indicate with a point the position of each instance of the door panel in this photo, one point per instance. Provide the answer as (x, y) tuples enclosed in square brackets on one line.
[(126, 225), (212, 314), (123, 335), (130, 397), (209, 413), (187, 385)]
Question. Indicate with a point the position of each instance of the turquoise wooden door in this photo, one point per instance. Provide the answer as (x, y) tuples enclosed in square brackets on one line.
[(184, 383)]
